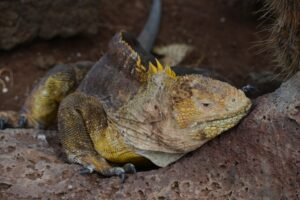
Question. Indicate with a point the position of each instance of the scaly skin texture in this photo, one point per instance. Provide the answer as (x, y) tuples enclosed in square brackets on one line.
[(130, 110), (145, 113), (41, 106), (40, 109)]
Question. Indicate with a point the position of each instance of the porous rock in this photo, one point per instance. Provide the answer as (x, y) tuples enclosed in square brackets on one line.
[(259, 159), (23, 20)]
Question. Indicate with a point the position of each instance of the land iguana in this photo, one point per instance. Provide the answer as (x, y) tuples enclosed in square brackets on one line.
[(129, 110)]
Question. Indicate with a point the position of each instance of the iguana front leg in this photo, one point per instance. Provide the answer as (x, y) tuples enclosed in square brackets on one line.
[(80, 118), (41, 106)]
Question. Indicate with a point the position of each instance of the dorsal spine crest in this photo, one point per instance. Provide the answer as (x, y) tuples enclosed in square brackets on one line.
[(159, 68), (152, 69)]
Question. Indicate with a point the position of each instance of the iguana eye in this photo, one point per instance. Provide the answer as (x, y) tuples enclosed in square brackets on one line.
[(205, 104)]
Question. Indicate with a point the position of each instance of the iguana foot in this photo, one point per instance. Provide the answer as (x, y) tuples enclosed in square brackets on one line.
[(113, 171), (11, 119), (8, 119), (120, 171)]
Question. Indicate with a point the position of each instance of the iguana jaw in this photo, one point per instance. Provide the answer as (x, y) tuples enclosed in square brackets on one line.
[(200, 100), (213, 128), (208, 131)]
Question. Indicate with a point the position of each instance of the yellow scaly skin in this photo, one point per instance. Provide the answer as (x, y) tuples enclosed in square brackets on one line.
[(41, 106)]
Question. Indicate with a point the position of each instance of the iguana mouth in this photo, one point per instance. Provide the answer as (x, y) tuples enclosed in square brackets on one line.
[(241, 113), (220, 118), (214, 127)]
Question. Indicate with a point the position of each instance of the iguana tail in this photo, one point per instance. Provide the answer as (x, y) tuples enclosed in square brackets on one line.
[(149, 33)]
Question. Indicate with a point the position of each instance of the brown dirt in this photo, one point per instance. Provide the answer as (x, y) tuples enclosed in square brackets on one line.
[(224, 32)]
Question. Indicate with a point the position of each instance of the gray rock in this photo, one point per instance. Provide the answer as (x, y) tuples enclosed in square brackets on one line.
[(23, 20), (259, 159)]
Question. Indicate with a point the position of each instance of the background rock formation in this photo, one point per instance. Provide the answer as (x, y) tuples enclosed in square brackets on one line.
[(259, 159), (23, 20)]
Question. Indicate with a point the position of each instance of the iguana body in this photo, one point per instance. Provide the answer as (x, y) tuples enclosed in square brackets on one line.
[(124, 112), (129, 111)]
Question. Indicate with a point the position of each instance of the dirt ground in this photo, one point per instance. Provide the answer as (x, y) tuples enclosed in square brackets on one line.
[(224, 35)]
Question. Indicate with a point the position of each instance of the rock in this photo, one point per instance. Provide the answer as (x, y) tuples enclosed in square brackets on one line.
[(24, 20), (259, 159)]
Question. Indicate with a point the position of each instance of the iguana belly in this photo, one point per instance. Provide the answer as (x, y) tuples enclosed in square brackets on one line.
[(110, 145)]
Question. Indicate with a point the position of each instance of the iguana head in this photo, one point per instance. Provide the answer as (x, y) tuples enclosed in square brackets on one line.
[(172, 115), (206, 106)]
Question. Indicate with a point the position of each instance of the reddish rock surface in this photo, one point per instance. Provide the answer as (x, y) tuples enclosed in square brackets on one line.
[(259, 159)]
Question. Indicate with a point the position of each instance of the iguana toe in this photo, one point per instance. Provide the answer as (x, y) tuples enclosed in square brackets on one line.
[(22, 121), (129, 168), (86, 170), (115, 171), (120, 171)]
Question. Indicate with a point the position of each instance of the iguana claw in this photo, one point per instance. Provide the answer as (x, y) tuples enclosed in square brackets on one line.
[(22, 121), (2, 124), (121, 175), (129, 168), (120, 171), (115, 171), (86, 170)]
